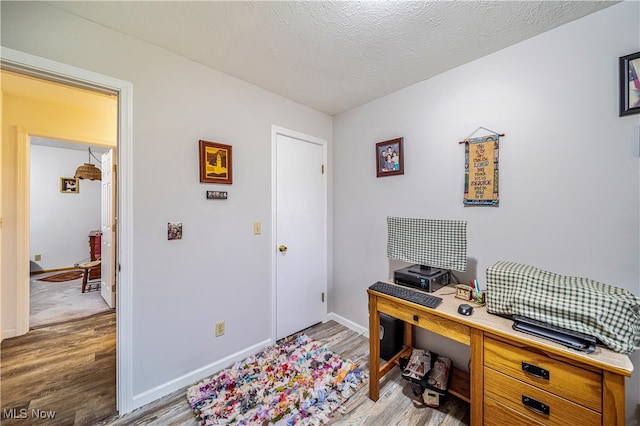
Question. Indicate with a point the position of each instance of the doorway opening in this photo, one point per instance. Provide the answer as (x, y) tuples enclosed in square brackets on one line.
[(15, 264), (67, 242), (60, 210)]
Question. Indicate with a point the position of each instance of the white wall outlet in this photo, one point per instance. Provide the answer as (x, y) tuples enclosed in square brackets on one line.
[(219, 328)]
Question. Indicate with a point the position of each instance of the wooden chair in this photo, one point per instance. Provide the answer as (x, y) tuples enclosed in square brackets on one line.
[(92, 274)]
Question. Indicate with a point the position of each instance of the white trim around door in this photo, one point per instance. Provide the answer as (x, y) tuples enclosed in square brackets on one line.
[(275, 131), (32, 65)]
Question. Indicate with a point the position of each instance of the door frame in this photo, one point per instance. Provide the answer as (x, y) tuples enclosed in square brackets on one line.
[(28, 64), (275, 131)]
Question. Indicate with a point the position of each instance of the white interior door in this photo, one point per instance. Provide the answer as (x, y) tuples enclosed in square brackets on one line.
[(300, 234), (108, 279)]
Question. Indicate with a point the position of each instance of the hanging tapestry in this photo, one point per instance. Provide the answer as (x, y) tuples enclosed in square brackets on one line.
[(481, 171)]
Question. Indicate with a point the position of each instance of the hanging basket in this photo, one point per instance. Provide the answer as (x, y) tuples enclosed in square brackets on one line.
[(88, 171)]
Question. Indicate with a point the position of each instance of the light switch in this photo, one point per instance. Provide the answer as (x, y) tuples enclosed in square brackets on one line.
[(257, 228)]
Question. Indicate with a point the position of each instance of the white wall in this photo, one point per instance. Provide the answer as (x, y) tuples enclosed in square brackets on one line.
[(569, 177), (569, 169), (219, 270), (60, 222)]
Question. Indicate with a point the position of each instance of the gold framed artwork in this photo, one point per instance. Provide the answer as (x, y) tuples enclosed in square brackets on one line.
[(215, 163), (69, 185)]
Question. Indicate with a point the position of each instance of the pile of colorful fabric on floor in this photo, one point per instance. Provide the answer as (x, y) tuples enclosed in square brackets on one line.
[(295, 382)]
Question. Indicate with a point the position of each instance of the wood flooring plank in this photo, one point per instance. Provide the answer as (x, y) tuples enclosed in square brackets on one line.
[(396, 406), (69, 368), (66, 369)]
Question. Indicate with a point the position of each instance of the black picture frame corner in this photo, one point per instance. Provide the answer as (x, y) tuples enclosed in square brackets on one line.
[(629, 79)]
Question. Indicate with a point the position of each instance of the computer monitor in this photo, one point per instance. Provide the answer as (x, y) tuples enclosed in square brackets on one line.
[(429, 243)]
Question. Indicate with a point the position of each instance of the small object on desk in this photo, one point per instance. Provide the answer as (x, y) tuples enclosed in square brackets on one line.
[(465, 309), (463, 292), (476, 286), (479, 298), (408, 294)]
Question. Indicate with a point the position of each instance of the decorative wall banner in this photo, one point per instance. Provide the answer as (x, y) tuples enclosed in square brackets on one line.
[(481, 171)]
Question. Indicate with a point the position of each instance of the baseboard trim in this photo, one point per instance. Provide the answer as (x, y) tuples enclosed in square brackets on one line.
[(7, 334), (349, 324), (46, 271), (194, 376)]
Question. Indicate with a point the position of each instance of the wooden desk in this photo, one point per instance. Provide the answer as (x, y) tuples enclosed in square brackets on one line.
[(582, 386)]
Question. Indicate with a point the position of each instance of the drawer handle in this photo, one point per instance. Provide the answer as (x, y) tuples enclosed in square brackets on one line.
[(535, 371), (535, 405)]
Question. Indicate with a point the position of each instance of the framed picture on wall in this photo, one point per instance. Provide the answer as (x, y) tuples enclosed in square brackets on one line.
[(389, 158), (630, 84), (174, 230), (215, 163), (69, 185)]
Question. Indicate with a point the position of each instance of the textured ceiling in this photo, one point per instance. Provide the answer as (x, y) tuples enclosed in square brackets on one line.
[(332, 55)]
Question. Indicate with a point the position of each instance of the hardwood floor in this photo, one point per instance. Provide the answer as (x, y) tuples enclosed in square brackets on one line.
[(74, 372), (62, 374)]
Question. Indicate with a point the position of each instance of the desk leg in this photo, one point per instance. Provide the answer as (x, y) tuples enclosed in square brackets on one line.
[(476, 377), (374, 348), (408, 335), (613, 399)]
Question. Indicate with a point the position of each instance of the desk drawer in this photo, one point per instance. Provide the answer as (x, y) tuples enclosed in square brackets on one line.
[(496, 414), (572, 382), (424, 319), (525, 399)]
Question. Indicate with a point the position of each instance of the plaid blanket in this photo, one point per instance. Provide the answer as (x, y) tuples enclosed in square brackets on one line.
[(610, 314)]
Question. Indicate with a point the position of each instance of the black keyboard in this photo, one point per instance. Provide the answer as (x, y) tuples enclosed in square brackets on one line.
[(408, 294)]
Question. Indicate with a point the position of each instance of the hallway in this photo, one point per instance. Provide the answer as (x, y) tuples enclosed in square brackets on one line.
[(64, 374)]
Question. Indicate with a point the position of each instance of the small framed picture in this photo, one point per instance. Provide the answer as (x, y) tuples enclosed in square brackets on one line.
[(69, 185), (389, 158), (215, 163), (630, 84), (174, 230)]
